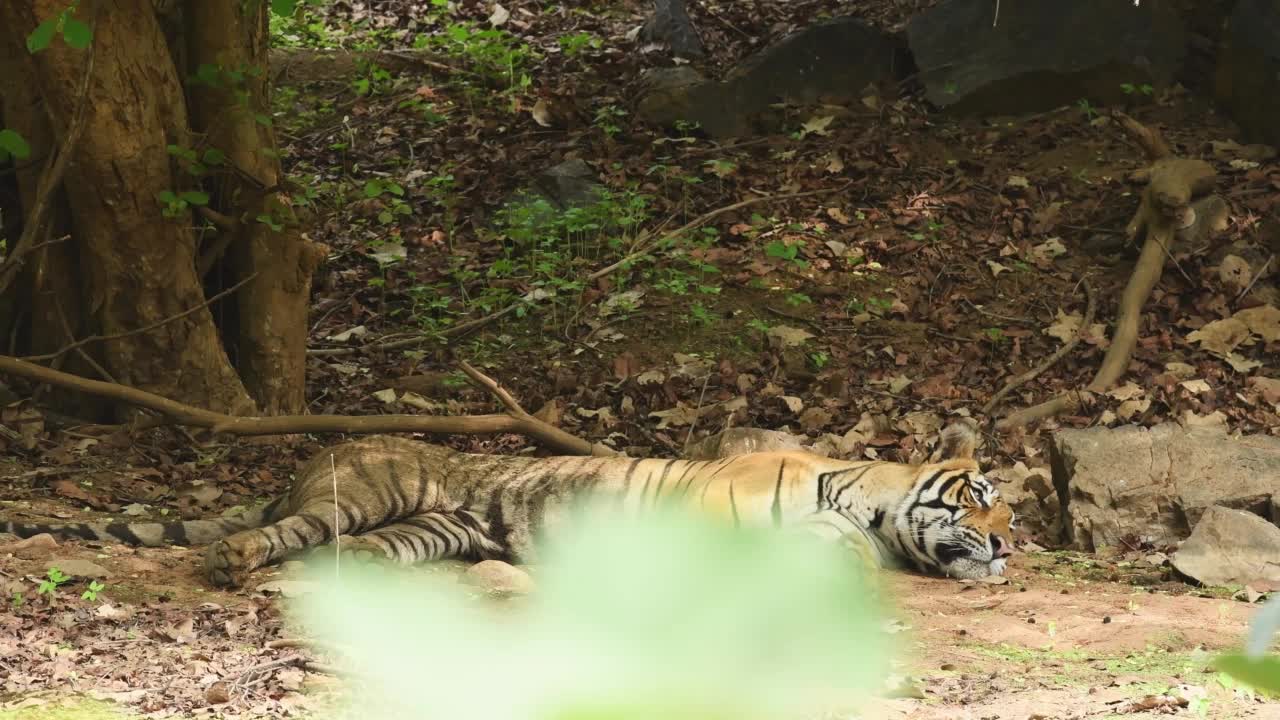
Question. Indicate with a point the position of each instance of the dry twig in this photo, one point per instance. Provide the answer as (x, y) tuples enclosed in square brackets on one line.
[(1033, 373)]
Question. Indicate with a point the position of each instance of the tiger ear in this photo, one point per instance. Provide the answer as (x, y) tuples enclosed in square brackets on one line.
[(959, 440)]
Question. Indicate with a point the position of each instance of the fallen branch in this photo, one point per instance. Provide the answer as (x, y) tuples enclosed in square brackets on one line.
[(642, 249), (1033, 373), (182, 414), (1168, 211)]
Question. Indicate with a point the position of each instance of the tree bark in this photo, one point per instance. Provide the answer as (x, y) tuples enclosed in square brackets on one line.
[(269, 338), (137, 266)]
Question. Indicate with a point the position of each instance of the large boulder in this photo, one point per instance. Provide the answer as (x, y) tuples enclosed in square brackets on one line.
[(831, 62), (1156, 484), (1231, 547), (1248, 80), (1041, 54)]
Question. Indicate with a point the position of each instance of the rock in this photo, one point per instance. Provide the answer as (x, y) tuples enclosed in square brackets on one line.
[(831, 62), (1248, 77), (75, 567), (1042, 54), (290, 588), (670, 24), (737, 441), (570, 184), (1157, 483), (498, 578), (32, 548), (1230, 547)]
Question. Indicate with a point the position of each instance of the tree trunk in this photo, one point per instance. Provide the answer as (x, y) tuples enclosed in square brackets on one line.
[(270, 341), (137, 268)]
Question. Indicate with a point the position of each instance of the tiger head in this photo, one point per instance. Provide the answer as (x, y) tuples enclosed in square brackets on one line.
[(953, 520)]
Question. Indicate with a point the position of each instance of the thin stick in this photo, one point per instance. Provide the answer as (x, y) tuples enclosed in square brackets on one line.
[(696, 411), (1033, 373), (1256, 276), (137, 331), (337, 536), (54, 170)]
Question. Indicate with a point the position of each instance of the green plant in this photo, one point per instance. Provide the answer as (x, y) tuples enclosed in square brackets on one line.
[(390, 193), (995, 335), (53, 579), (819, 359), (573, 45), (374, 80), (700, 314), (18, 600), (75, 33), (91, 594), (1086, 108), (12, 144), (788, 252), (177, 204), (1255, 667), (599, 643), (1130, 89), (607, 119), (492, 52), (796, 298)]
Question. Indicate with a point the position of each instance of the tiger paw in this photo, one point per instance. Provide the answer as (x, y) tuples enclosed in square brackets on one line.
[(355, 548), (225, 564)]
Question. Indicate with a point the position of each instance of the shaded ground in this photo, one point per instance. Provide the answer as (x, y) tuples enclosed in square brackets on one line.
[(941, 269)]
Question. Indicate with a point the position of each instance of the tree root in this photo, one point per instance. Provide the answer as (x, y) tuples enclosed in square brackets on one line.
[(515, 420), (1167, 212)]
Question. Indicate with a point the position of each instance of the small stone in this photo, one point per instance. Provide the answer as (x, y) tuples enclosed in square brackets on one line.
[(498, 578), (75, 567), (289, 588), (217, 693), (1106, 620), (32, 548)]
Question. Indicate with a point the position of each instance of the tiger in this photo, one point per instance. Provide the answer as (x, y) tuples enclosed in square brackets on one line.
[(404, 502)]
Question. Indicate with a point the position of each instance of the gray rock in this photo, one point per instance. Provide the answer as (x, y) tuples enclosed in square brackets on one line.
[(1249, 69), (1042, 54), (75, 567), (1157, 483), (670, 24), (831, 62), (737, 441), (569, 184), (1230, 547), (498, 578)]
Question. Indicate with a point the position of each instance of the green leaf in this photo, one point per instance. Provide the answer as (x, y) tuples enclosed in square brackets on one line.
[(14, 144), (209, 74), (373, 188), (195, 197), (166, 196), (395, 189), (263, 120), (284, 7), (213, 156), (1262, 673), (76, 34), (40, 38)]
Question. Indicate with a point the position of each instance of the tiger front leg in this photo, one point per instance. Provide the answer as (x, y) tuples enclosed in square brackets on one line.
[(229, 561), (421, 538)]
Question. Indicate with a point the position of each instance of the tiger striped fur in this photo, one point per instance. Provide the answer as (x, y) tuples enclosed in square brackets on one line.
[(411, 502)]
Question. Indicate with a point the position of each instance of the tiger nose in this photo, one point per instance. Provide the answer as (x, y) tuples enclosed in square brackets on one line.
[(1002, 548)]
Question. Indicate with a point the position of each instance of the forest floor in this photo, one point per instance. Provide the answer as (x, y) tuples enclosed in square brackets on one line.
[(949, 261)]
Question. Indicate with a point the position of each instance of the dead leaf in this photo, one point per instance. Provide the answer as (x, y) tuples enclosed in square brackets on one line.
[(1196, 387), (499, 16), (1221, 336), (996, 268), (899, 383), (1234, 272), (1065, 327), (358, 331), (785, 336), (541, 113), (1128, 391), (1179, 370), (389, 253), (1263, 321), (1269, 388), (387, 396), (1130, 409), (794, 404), (181, 633), (1017, 182), (1048, 250), (817, 125), (681, 415), (815, 418)]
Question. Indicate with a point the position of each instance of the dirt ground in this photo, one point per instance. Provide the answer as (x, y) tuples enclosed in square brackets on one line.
[(951, 263), (1058, 640)]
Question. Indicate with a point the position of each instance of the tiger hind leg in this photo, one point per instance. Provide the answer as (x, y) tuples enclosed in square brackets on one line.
[(422, 538)]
